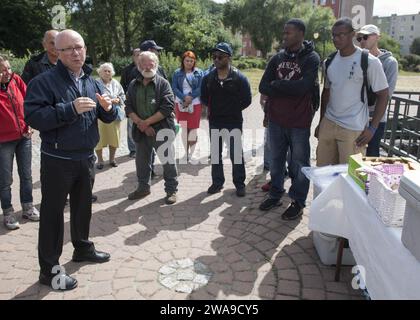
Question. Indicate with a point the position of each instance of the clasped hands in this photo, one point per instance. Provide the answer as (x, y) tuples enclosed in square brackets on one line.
[(144, 126)]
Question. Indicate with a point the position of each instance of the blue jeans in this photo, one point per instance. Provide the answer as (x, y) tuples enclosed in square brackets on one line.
[(23, 150), (235, 144), (297, 139), (375, 143), (267, 154)]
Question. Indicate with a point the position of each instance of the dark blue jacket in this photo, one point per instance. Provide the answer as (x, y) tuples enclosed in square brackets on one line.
[(226, 99), (49, 109)]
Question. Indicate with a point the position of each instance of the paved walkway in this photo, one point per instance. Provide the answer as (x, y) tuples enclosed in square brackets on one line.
[(220, 245)]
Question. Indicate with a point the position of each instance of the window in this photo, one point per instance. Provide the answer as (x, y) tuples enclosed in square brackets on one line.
[(412, 28), (401, 37), (413, 18), (323, 2)]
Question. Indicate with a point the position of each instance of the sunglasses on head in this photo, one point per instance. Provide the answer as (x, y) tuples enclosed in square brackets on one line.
[(364, 37)]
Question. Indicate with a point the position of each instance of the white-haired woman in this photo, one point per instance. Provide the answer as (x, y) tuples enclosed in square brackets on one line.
[(109, 133)]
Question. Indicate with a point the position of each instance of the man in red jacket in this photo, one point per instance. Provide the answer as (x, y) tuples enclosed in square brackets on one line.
[(15, 138)]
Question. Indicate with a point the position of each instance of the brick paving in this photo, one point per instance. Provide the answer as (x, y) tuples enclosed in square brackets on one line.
[(250, 254)]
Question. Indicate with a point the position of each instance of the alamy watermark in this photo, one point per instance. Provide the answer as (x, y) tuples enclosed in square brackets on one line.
[(58, 282), (358, 281), (58, 13)]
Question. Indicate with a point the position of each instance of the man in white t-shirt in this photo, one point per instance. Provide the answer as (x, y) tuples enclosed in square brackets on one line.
[(344, 126)]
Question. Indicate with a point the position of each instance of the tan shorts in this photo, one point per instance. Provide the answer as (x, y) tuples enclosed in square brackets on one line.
[(336, 144)]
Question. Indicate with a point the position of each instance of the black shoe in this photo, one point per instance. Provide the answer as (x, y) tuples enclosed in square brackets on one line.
[(64, 282), (214, 188), (240, 192), (99, 166), (294, 211), (91, 256), (269, 203), (94, 198), (170, 198), (113, 164), (132, 154), (138, 194)]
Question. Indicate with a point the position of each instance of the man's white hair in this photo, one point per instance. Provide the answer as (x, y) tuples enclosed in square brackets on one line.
[(108, 65), (149, 55)]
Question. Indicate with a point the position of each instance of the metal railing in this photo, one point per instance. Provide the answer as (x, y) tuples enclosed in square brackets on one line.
[(402, 130)]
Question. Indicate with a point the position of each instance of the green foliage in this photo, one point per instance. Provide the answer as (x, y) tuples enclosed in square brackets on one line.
[(170, 63), (119, 63), (17, 64), (415, 46), (263, 21), (259, 18), (22, 25), (388, 43), (193, 28), (411, 62), (243, 63), (319, 21)]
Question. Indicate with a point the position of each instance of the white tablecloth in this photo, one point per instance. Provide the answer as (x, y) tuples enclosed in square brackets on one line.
[(342, 209)]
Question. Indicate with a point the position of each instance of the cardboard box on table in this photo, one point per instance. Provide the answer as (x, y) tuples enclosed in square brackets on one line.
[(356, 161)]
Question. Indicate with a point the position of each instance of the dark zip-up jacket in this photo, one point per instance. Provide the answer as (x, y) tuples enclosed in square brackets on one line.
[(49, 109), (35, 66), (164, 102), (226, 99), (288, 81)]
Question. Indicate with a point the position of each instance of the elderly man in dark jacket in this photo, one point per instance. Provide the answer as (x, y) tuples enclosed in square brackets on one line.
[(150, 105), (64, 104), (44, 61)]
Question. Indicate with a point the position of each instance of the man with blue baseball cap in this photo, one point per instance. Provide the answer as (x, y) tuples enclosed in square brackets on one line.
[(226, 92)]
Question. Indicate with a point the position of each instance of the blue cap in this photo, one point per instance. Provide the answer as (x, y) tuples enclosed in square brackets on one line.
[(223, 47), (149, 44)]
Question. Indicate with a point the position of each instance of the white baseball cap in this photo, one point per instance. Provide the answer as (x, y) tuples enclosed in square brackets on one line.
[(369, 29)]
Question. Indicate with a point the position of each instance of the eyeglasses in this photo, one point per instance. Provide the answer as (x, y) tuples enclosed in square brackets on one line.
[(364, 37), (219, 56), (340, 35), (71, 50)]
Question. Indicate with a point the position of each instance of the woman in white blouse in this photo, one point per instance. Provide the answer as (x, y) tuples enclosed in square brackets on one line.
[(110, 133)]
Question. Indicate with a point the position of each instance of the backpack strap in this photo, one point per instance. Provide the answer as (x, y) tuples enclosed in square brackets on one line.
[(328, 61), (364, 64)]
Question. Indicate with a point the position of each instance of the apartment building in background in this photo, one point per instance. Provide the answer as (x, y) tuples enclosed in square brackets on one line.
[(404, 29)]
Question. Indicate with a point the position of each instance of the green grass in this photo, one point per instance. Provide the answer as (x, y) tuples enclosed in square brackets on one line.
[(254, 76), (408, 73)]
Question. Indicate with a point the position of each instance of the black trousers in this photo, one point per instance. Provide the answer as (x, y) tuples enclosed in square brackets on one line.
[(59, 178)]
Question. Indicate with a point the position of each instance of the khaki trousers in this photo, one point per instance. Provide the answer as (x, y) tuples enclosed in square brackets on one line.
[(336, 144)]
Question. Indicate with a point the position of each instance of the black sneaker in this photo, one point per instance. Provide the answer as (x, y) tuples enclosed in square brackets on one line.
[(269, 203), (294, 211), (132, 154), (214, 188), (170, 198)]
